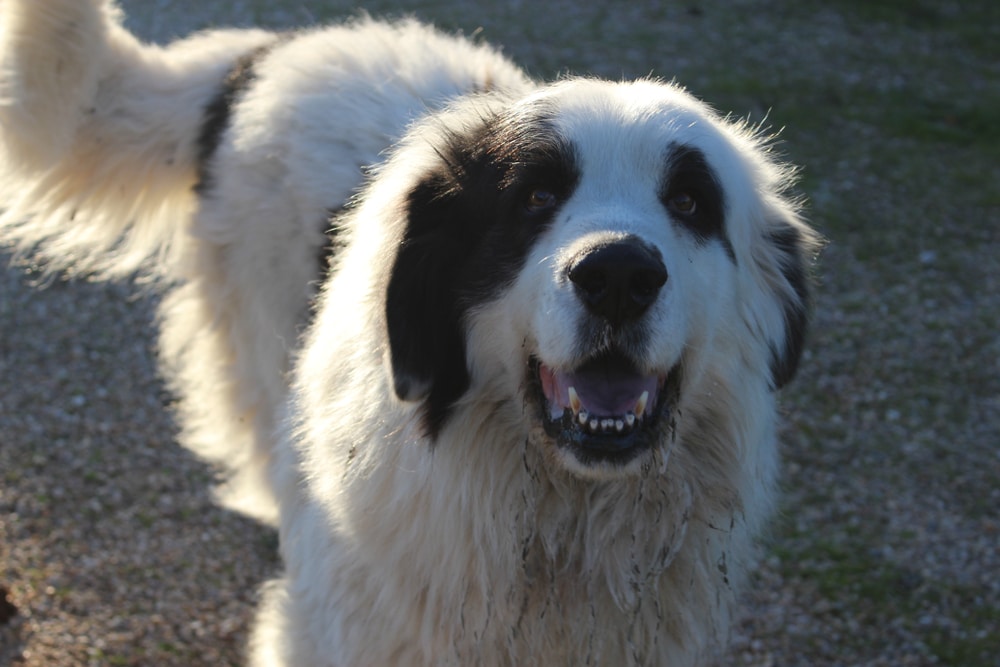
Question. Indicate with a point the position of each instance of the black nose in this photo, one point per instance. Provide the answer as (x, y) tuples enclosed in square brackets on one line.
[(619, 281)]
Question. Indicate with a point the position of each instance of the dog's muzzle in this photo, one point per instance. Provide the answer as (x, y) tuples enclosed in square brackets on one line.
[(607, 410)]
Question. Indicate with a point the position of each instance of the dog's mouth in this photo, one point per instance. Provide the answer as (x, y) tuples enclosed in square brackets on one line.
[(606, 410)]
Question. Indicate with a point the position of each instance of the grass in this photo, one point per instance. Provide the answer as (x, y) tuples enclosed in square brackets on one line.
[(977, 642), (974, 24), (853, 579)]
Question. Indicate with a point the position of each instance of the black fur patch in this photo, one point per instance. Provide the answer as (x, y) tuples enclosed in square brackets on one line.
[(790, 244), (219, 111), (690, 176), (470, 225)]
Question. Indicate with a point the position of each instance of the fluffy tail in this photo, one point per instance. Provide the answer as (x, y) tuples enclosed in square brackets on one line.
[(99, 135)]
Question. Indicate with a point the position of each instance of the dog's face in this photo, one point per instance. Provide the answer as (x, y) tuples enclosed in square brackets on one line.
[(588, 253)]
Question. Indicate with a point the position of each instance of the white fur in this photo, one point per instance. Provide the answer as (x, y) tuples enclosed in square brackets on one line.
[(490, 545)]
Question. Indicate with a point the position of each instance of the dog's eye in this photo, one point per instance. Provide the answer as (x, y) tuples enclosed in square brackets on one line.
[(683, 204), (540, 200)]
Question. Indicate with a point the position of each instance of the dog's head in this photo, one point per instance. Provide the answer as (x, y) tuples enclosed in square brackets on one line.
[(590, 252)]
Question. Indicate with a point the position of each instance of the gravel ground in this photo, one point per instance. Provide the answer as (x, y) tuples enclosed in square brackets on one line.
[(887, 548)]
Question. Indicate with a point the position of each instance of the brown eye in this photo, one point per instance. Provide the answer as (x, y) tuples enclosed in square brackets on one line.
[(683, 204), (540, 200)]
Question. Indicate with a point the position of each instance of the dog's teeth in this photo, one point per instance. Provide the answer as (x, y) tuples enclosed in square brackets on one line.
[(619, 425), (606, 424), (630, 420), (583, 417), (640, 406), (594, 424), (574, 400)]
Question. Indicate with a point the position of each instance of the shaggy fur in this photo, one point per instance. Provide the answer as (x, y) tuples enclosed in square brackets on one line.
[(528, 414)]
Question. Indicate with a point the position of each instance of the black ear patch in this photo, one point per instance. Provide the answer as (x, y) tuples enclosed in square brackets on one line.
[(469, 226), (423, 314), (794, 250)]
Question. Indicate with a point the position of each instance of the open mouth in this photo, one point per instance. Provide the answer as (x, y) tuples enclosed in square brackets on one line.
[(605, 410)]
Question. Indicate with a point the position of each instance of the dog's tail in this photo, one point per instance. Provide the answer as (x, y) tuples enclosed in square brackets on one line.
[(99, 134)]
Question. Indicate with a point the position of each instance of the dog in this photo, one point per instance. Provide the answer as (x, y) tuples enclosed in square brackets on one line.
[(498, 358)]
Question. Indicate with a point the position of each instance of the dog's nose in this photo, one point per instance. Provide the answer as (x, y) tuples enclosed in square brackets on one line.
[(618, 281)]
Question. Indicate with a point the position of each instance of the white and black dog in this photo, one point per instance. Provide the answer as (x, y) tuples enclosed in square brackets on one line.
[(498, 358)]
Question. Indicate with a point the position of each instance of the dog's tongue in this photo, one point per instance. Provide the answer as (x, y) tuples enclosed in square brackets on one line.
[(601, 389)]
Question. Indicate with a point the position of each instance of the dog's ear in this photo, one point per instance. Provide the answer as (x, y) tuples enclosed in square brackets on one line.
[(423, 308), (791, 248)]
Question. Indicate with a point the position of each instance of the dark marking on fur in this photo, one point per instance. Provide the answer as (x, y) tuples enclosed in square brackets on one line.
[(791, 247), (7, 609), (325, 256), (470, 225), (218, 113), (689, 177)]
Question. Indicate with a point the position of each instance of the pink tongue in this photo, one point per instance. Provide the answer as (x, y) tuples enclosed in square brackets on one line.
[(603, 394)]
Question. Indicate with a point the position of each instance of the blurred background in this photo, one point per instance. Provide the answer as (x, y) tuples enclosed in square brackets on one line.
[(886, 549)]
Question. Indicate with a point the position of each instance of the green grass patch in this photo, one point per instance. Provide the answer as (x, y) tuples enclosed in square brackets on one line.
[(974, 641), (914, 13), (963, 121), (958, 627), (101, 657), (852, 571), (972, 23)]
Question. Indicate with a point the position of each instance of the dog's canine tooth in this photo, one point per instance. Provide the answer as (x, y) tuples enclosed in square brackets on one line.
[(574, 401), (640, 406)]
